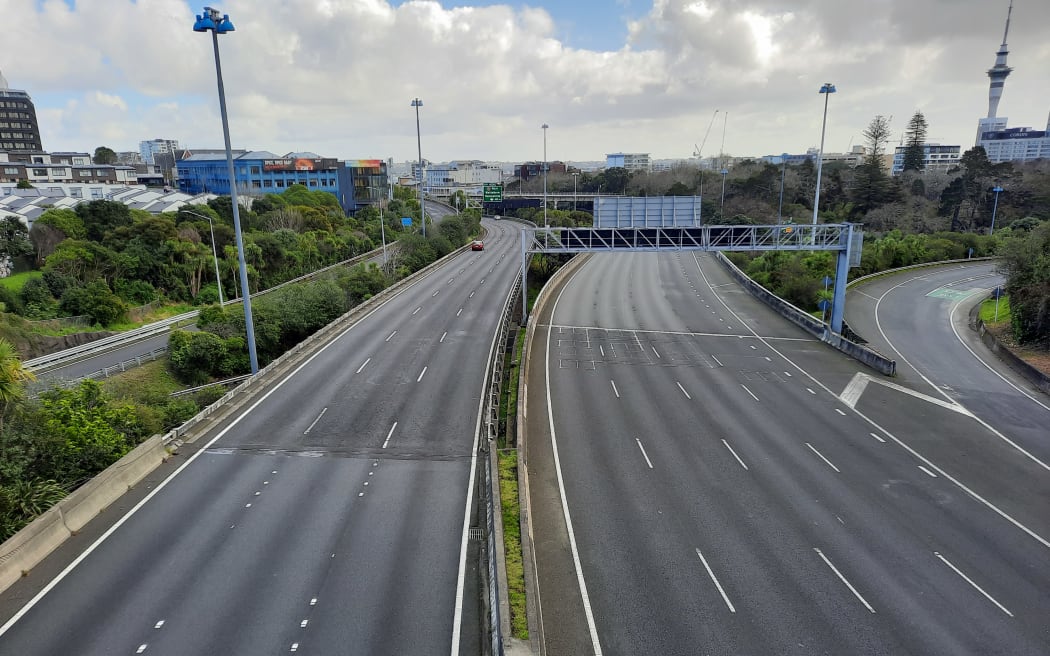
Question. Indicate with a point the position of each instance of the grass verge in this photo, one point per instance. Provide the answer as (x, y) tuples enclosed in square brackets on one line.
[(508, 490), (18, 280), (988, 311)]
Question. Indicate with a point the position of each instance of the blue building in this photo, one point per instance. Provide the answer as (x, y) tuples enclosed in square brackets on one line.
[(261, 171)]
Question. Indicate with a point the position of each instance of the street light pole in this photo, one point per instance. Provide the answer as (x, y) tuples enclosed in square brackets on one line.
[(995, 208), (722, 205), (574, 177), (214, 253), (783, 174), (545, 126), (210, 21), (827, 90), (417, 103)]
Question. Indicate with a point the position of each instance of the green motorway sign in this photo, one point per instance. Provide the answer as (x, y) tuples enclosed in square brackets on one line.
[(492, 193)]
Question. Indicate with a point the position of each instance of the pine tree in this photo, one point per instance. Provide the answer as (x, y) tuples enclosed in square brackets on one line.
[(915, 137)]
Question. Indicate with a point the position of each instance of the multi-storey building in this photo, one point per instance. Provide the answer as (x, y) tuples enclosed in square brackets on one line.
[(629, 161), (149, 150), (530, 170), (935, 157), (19, 130), (57, 168)]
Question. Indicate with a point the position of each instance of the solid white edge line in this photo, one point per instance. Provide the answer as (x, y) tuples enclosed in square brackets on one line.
[(735, 455), (718, 585), (134, 509), (361, 368), (595, 643), (750, 392), (683, 390), (843, 579), (970, 581), (389, 435), (918, 456), (814, 450), (457, 617), (615, 391), (644, 454)]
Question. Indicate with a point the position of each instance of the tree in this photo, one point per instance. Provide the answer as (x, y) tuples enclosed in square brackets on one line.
[(13, 377), (915, 139), (1026, 263), (101, 216), (871, 184), (14, 237), (104, 155), (24, 184)]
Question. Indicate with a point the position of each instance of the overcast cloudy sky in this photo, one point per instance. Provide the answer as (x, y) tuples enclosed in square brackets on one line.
[(337, 76)]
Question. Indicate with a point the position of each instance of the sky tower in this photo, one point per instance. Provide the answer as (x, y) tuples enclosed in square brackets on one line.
[(997, 74)]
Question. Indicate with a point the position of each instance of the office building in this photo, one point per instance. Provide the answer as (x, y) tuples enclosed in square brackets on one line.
[(935, 157), (629, 161), (149, 150), (19, 130), (530, 170)]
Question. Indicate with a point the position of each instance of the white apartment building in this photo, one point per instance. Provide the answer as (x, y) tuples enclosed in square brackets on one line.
[(935, 157), (629, 161), (465, 175), (149, 149), (59, 168), (1005, 144)]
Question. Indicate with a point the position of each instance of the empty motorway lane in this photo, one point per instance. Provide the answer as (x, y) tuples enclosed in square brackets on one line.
[(699, 484), (329, 517)]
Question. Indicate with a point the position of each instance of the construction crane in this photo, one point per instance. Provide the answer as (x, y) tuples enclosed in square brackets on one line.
[(700, 162)]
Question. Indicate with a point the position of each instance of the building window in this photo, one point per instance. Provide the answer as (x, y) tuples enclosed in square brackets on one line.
[(279, 183), (256, 184), (255, 170), (267, 183), (76, 192), (10, 170), (40, 172)]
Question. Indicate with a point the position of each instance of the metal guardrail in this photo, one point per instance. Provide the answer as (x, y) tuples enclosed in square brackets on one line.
[(113, 342), (228, 381)]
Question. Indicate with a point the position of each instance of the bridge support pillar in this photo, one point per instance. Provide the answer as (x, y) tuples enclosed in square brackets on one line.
[(838, 306)]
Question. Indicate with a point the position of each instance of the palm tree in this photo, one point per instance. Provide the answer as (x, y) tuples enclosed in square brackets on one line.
[(13, 376)]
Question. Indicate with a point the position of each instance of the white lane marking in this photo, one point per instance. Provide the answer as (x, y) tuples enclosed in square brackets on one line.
[(843, 579), (482, 281), (158, 624), (814, 450), (443, 335), (390, 336), (417, 310), (460, 312), (970, 581), (717, 584), (361, 368), (141, 648), (768, 359), (683, 390), (735, 455), (451, 279), (615, 391), (940, 391), (788, 374), (750, 392), (295, 647), (753, 347), (810, 390), (853, 391), (840, 412), (436, 292), (602, 349), (421, 374), (717, 361), (644, 454), (471, 295), (302, 625), (585, 597), (247, 505), (656, 352), (387, 440), (928, 472), (313, 602), (877, 437)]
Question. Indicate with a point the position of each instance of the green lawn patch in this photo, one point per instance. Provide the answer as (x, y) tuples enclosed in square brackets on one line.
[(508, 491), (18, 280), (988, 313)]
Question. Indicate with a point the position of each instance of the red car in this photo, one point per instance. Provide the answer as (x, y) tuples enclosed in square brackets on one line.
[(477, 245)]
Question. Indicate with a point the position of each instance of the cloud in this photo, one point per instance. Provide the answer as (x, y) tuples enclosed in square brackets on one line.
[(337, 76)]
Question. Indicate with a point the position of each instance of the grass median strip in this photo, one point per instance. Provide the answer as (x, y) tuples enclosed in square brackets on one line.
[(508, 489)]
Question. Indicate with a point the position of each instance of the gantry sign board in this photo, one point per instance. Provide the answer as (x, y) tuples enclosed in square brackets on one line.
[(646, 211), (492, 193)]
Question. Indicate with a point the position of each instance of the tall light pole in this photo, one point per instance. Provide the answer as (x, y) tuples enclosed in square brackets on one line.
[(212, 21), (214, 254), (417, 103), (575, 175), (783, 174), (545, 126), (722, 205), (995, 208), (827, 90)]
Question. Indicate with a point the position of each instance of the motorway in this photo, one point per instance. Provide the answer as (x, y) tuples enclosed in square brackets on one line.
[(330, 516), (705, 478)]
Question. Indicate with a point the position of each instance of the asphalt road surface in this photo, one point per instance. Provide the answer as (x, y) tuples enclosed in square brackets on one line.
[(330, 517), (706, 478)]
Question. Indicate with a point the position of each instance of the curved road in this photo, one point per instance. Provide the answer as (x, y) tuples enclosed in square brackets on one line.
[(700, 483), (330, 516)]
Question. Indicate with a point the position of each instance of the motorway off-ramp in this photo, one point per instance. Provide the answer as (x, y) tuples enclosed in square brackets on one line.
[(329, 518), (724, 499)]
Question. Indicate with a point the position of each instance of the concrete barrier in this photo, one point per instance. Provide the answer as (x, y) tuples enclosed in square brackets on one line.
[(25, 549), (1030, 373), (811, 324)]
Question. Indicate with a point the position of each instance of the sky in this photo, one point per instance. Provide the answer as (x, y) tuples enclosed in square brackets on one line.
[(337, 77)]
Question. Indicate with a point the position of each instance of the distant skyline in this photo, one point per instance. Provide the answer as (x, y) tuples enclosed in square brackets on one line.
[(337, 77)]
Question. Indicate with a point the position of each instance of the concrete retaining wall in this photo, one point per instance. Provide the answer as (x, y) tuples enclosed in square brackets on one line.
[(811, 324), (32, 544), (1030, 373)]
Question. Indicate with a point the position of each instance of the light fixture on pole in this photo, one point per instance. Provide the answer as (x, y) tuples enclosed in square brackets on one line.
[(827, 90), (212, 21), (214, 254), (417, 103), (575, 175), (545, 126), (995, 208)]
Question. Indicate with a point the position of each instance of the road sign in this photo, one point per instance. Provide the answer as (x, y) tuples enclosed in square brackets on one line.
[(824, 304), (827, 281), (405, 221), (492, 193)]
